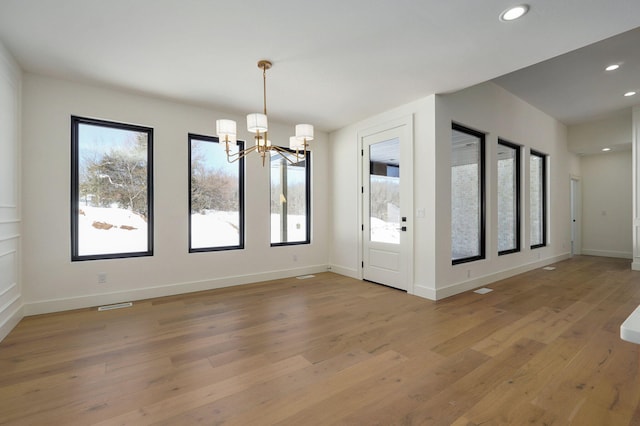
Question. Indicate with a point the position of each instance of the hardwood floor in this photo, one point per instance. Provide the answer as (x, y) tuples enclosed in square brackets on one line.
[(542, 348)]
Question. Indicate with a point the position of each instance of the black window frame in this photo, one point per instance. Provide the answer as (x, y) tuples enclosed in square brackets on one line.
[(518, 197), (241, 193), (307, 201), (76, 121), (543, 197), (482, 178)]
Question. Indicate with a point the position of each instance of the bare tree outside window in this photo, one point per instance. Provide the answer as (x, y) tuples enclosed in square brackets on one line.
[(111, 212), (216, 203), (290, 200)]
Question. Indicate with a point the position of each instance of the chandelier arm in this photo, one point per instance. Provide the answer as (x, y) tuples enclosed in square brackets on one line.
[(286, 154), (232, 158), (257, 124)]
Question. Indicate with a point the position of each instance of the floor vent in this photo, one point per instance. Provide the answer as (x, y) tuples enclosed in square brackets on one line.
[(483, 290), (549, 268), (304, 277), (116, 306)]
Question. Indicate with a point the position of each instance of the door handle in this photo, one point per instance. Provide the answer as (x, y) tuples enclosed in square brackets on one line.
[(403, 229)]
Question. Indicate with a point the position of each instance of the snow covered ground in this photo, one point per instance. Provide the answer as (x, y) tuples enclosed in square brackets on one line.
[(385, 232), (105, 230), (215, 229)]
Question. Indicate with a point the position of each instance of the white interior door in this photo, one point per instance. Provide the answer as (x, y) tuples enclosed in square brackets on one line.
[(576, 213), (387, 202)]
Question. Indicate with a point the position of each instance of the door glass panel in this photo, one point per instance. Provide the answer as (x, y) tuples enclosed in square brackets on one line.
[(384, 191)]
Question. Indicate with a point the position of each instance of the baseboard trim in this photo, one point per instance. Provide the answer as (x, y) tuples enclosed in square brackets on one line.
[(80, 302), (343, 270), (608, 253), (424, 292), (12, 319), (458, 288)]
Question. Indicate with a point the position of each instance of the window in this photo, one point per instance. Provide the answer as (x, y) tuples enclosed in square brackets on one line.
[(216, 201), (538, 199), (111, 190), (384, 191), (290, 199), (467, 195), (508, 197)]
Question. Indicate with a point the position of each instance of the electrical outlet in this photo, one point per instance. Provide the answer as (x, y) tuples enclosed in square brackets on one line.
[(102, 277), (295, 257)]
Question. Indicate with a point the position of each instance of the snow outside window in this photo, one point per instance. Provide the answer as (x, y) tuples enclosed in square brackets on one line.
[(216, 202), (290, 200), (111, 190)]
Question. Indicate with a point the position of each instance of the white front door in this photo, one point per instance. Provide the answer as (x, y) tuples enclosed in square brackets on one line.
[(387, 206)]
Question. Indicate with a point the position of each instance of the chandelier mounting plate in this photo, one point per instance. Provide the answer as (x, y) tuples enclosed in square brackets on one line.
[(264, 64)]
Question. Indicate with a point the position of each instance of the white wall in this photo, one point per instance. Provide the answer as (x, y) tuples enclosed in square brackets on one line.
[(490, 109), (606, 204), (345, 255), (606, 183), (635, 160), (52, 282), (496, 112), (11, 309), (613, 132)]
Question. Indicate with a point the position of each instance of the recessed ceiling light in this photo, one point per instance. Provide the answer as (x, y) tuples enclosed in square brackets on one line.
[(514, 12), (629, 94), (612, 67), (606, 149)]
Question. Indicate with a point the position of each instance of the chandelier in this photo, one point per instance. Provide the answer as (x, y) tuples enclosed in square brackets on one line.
[(257, 124)]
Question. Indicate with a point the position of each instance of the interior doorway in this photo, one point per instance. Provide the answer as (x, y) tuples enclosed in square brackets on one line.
[(576, 216)]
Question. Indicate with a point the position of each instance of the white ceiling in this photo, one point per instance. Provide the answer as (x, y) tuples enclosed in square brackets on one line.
[(335, 61), (575, 87)]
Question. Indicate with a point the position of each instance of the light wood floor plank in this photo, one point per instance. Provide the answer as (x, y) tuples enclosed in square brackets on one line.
[(542, 348)]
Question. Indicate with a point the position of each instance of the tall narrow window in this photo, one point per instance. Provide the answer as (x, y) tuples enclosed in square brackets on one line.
[(467, 195), (508, 197), (538, 199), (216, 202), (111, 190), (384, 191), (290, 200)]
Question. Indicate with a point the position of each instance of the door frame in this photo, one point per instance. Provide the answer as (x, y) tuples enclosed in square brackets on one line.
[(406, 157), (575, 191)]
